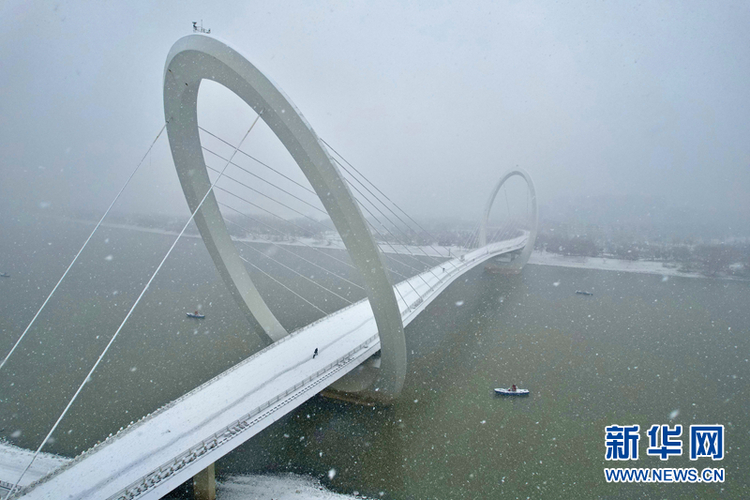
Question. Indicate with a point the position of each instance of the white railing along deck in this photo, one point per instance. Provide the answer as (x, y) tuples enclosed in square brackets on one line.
[(156, 454)]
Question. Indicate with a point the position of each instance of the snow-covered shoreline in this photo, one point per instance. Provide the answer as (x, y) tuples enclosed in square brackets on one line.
[(536, 258), (334, 243), (276, 487), (241, 487), (605, 264)]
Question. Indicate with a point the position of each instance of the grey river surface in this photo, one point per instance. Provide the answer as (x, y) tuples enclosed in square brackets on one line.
[(642, 349)]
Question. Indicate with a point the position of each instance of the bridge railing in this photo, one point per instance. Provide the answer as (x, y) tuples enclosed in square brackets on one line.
[(456, 270), (229, 432), (171, 467)]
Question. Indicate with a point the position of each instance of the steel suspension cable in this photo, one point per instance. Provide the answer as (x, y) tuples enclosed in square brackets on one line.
[(298, 274), (290, 208), (385, 240), (264, 180), (119, 329), (418, 271), (502, 228), (472, 235), (283, 285), (278, 230), (501, 231), (281, 218), (475, 240), (385, 196), (281, 247), (343, 167), (386, 206), (406, 246), (316, 265), (260, 162), (304, 230), (310, 218), (274, 170), (85, 243), (281, 189), (273, 199)]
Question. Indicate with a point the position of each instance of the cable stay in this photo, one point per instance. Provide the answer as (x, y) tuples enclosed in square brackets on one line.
[(119, 329), (385, 240), (406, 235), (260, 162), (263, 180), (278, 230), (405, 245), (274, 200), (85, 243), (282, 247), (297, 273), (424, 231), (316, 222), (283, 285), (295, 225)]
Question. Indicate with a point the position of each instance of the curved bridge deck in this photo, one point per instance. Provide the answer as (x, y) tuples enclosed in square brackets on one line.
[(168, 447)]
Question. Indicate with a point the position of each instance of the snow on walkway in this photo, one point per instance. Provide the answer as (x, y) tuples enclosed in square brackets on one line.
[(13, 460), (154, 455)]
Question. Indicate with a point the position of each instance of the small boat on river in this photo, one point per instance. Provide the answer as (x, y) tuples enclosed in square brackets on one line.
[(511, 392), (196, 315), (582, 292), (4, 275)]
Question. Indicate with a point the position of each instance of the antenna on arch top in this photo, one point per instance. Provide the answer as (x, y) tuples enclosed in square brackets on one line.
[(200, 29)]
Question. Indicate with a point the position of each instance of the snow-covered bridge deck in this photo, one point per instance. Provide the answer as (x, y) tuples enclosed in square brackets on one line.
[(168, 447)]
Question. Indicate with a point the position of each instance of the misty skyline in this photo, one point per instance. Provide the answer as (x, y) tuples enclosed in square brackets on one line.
[(432, 102)]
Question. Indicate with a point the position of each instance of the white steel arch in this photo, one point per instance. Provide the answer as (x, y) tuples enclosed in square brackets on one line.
[(526, 252), (197, 57)]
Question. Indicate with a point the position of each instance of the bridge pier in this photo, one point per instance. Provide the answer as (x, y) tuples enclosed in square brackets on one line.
[(204, 484)]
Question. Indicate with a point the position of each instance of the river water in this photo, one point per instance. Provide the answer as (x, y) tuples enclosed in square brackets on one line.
[(643, 350)]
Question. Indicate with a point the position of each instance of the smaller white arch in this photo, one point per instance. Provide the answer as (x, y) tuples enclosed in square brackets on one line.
[(526, 252)]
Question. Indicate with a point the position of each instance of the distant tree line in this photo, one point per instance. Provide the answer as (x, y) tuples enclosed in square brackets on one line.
[(710, 259), (688, 255), (567, 245)]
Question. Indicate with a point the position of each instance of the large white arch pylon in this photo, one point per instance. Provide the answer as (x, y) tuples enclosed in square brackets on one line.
[(197, 57), (522, 259)]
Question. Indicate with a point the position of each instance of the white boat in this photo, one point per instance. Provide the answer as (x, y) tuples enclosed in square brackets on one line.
[(509, 392), (196, 315)]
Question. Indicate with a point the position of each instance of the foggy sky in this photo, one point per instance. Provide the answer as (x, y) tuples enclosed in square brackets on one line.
[(432, 100)]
